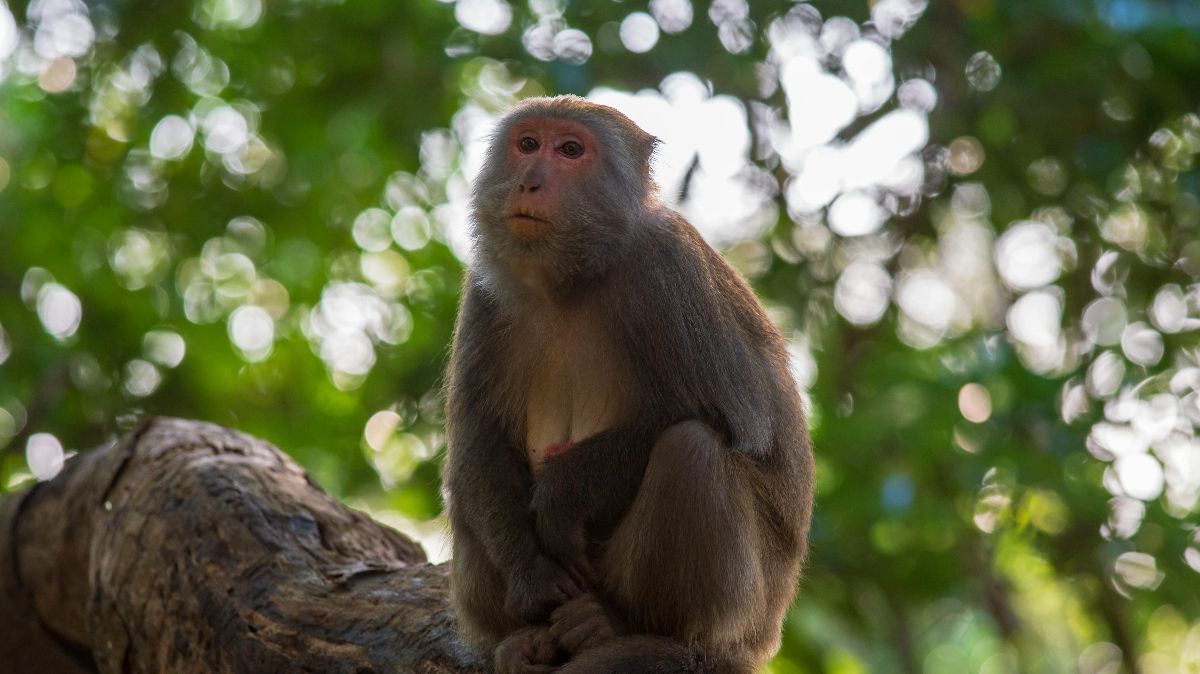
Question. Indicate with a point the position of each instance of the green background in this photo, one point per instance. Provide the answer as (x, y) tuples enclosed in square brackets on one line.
[(974, 511)]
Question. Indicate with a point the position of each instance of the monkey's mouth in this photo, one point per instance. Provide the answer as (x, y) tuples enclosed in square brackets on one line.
[(527, 227)]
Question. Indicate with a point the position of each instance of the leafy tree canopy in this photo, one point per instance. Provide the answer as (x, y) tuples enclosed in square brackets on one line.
[(976, 222)]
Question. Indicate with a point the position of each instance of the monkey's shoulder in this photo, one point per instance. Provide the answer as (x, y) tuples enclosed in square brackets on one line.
[(676, 270)]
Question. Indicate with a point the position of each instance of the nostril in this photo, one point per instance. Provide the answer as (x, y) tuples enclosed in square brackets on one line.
[(533, 188)]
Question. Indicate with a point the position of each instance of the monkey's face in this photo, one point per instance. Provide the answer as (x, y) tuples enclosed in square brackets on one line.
[(551, 161), (563, 183)]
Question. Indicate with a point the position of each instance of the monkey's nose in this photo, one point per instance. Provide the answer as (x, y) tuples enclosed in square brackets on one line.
[(529, 186)]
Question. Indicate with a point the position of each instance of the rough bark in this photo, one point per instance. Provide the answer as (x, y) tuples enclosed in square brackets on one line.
[(188, 547)]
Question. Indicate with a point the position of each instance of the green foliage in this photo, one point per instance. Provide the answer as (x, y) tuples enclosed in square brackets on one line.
[(252, 213)]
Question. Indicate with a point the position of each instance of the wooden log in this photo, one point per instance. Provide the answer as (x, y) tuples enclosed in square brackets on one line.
[(189, 547)]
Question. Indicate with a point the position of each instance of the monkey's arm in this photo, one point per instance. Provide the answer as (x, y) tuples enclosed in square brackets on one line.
[(488, 482), (489, 494), (707, 351), (586, 490), (489, 503)]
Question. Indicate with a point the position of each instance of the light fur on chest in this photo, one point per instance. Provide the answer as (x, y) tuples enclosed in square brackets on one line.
[(573, 377)]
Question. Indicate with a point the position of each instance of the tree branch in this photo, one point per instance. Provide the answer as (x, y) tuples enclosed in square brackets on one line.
[(189, 547)]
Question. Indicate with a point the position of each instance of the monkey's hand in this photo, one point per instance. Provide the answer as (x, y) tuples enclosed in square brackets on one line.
[(583, 623), (536, 590), (528, 651), (561, 532)]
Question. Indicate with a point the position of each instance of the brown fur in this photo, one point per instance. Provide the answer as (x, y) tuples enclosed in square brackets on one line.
[(669, 537)]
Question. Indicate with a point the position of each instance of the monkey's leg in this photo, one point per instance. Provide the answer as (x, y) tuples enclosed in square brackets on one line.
[(479, 605), (585, 626), (688, 558)]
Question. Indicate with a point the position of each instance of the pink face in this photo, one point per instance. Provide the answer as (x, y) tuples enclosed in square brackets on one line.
[(552, 158)]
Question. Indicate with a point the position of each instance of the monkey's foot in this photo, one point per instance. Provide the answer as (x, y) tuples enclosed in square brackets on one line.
[(583, 623), (528, 651)]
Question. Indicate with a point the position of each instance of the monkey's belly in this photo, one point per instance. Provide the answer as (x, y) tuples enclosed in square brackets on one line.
[(568, 403)]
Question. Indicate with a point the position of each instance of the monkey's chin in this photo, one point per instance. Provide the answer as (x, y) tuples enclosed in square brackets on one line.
[(527, 228)]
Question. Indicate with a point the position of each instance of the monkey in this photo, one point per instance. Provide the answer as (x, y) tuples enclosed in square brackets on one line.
[(628, 477)]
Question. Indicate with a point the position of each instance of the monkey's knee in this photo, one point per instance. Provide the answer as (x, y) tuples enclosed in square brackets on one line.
[(684, 559), (477, 591), (687, 444)]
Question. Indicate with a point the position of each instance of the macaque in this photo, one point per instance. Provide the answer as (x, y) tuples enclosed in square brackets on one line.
[(629, 476)]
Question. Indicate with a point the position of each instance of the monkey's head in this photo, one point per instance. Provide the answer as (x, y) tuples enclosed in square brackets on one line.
[(563, 180)]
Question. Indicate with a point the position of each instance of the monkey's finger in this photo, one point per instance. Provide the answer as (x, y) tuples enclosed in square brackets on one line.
[(569, 634), (591, 577), (578, 584), (522, 667), (581, 567), (574, 613), (572, 582), (589, 634), (568, 592), (583, 573), (545, 649), (562, 625)]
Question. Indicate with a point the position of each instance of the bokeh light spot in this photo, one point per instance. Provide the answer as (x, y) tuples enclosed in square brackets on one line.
[(1105, 374), (232, 14), (142, 378), (1035, 318), (164, 347), (983, 72), (58, 75), (44, 455), (639, 32), (673, 16), (487, 17), (1104, 321), (966, 155), (171, 138), (380, 428), (1027, 255), (5, 346), (1169, 311), (1138, 569), (410, 228), (252, 331), (573, 46), (1047, 176), (372, 230), (918, 95), (862, 293), (59, 310), (855, 214), (1142, 344), (975, 403), (10, 35), (1141, 476)]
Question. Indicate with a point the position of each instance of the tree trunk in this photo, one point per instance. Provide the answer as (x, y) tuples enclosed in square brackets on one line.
[(188, 547)]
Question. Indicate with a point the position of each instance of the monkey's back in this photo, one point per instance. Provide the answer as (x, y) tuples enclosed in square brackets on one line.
[(707, 350)]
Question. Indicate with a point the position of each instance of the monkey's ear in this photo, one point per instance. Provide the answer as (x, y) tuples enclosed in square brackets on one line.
[(647, 146)]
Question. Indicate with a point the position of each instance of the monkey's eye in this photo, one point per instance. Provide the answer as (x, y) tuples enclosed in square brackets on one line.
[(571, 149), (528, 144)]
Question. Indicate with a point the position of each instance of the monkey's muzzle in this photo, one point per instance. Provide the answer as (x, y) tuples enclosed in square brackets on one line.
[(528, 227)]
